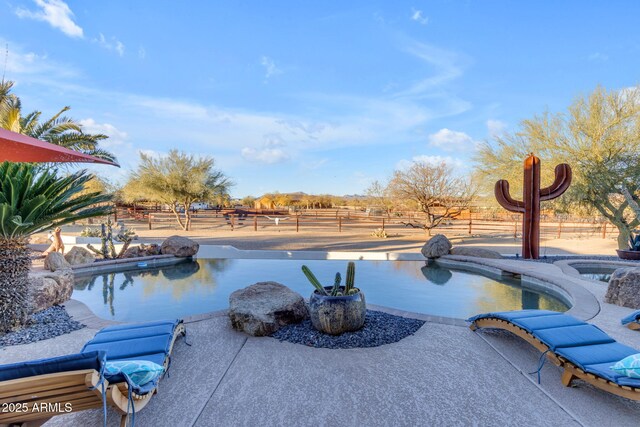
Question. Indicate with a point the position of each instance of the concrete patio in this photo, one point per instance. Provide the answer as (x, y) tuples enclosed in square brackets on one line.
[(443, 375)]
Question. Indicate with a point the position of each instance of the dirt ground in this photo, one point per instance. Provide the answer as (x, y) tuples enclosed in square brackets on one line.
[(359, 241)]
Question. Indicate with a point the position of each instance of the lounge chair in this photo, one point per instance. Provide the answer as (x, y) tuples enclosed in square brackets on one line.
[(33, 392), (584, 351), (632, 321)]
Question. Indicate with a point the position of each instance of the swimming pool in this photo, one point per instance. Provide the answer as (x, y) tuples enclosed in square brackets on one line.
[(204, 285)]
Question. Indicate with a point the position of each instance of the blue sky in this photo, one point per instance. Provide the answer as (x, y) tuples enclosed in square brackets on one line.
[(321, 97)]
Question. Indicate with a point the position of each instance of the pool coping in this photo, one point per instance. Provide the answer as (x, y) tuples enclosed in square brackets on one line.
[(568, 268), (123, 264)]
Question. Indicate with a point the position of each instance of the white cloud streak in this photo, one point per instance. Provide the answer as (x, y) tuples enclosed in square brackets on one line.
[(56, 13), (270, 67), (451, 140), (111, 44), (419, 17)]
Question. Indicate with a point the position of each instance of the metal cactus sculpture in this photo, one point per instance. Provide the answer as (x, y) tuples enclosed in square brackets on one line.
[(532, 195)]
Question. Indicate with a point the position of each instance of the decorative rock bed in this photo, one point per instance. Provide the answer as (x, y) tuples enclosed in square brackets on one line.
[(379, 329), (45, 324)]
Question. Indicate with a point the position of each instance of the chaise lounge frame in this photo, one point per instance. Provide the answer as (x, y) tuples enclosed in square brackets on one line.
[(82, 389), (570, 371)]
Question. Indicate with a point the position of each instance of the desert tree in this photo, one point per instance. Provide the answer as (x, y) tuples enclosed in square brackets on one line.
[(598, 135), (433, 189), (177, 180)]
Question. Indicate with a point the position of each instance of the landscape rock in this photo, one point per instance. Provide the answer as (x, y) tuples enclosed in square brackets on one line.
[(78, 255), (50, 288), (436, 247), (475, 252), (263, 308), (179, 246), (55, 261), (624, 287), (142, 250)]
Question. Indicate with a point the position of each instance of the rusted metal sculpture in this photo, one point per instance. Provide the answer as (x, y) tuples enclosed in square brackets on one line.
[(532, 195)]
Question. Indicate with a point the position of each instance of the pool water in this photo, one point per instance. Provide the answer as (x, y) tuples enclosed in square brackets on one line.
[(599, 277), (205, 285)]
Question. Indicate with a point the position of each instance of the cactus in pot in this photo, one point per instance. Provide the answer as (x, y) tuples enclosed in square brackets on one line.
[(336, 309)]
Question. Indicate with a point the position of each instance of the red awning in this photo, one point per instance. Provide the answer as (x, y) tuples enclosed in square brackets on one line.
[(15, 147)]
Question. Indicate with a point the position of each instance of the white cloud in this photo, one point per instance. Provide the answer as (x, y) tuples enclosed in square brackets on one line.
[(116, 136), (448, 66), (270, 67), (265, 155), (142, 53), (451, 140), (55, 12), (454, 162), (598, 57), (496, 128), (112, 44), (418, 16)]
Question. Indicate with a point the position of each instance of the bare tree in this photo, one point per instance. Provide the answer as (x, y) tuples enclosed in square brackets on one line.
[(378, 195), (434, 190)]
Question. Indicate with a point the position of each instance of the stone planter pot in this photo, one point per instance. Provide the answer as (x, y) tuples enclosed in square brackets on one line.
[(335, 315), (631, 255)]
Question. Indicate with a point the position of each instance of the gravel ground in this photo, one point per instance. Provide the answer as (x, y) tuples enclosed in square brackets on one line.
[(45, 324), (379, 328)]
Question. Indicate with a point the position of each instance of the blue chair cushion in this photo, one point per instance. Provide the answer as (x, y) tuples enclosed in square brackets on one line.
[(136, 347), (129, 326), (512, 315), (633, 317), (604, 370), (595, 354), (128, 334), (557, 320), (572, 336), (72, 362), (134, 341)]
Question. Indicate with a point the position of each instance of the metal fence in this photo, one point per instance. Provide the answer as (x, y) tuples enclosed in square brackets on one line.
[(359, 222)]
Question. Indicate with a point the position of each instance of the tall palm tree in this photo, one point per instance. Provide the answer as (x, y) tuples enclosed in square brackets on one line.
[(33, 201), (59, 129)]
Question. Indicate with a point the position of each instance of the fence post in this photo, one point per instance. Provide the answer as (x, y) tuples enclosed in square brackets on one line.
[(515, 230), (340, 224), (255, 222), (604, 230), (470, 222), (149, 220), (297, 223), (559, 229), (232, 221), (382, 224)]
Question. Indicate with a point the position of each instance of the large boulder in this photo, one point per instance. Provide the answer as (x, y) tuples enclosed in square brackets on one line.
[(55, 261), (78, 255), (436, 246), (50, 288), (179, 246), (624, 287), (475, 252), (263, 308), (142, 250)]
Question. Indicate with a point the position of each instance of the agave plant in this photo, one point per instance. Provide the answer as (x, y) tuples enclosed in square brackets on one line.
[(31, 202)]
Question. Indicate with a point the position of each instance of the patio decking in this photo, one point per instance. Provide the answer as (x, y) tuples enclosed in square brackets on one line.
[(443, 375)]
